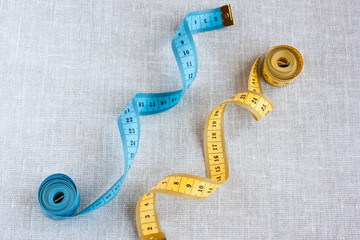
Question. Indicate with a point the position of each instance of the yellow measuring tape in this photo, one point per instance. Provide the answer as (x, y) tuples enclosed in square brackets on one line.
[(280, 66)]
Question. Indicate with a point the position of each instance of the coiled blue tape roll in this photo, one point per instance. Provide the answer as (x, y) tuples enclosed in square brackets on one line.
[(58, 195)]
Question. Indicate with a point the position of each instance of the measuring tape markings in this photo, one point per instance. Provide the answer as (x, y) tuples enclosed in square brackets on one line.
[(58, 195), (285, 64)]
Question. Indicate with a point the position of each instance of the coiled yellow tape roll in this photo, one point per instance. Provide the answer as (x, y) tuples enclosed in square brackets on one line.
[(281, 65)]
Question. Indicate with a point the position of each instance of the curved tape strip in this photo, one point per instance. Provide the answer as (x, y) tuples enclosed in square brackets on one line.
[(58, 195), (281, 65)]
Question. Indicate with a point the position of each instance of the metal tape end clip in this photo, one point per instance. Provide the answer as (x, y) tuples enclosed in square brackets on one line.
[(154, 236), (227, 15)]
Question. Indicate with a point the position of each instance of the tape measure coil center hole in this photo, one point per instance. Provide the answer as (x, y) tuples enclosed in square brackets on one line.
[(283, 62), (58, 197)]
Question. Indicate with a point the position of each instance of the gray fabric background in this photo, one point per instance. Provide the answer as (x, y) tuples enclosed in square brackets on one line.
[(68, 68)]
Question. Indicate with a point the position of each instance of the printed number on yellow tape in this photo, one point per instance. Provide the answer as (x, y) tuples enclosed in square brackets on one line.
[(281, 65)]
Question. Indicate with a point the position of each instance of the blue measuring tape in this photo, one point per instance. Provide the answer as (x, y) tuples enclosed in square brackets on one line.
[(58, 195)]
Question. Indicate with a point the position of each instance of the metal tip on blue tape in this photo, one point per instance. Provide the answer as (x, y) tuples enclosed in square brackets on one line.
[(58, 196)]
